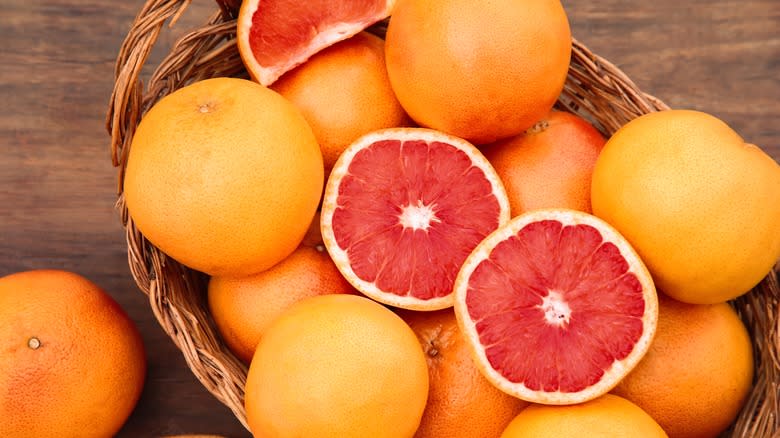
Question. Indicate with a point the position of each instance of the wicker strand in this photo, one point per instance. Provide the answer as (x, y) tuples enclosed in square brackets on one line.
[(123, 112), (760, 310), (214, 41), (175, 293), (595, 89)]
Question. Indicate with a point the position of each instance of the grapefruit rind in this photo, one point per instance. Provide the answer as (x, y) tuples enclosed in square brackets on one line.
[(331, 34), (329, 205), (618, 370)]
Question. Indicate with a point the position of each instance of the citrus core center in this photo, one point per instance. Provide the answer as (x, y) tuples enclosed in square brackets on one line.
[(417, 217), (556, 310)]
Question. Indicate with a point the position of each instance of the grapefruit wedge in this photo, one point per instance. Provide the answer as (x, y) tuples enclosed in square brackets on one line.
[(274, 36), (403, 208), (556, 306)]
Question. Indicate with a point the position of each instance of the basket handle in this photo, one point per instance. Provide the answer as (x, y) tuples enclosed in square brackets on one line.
[(594, 83), (126, 104), (126, 97)]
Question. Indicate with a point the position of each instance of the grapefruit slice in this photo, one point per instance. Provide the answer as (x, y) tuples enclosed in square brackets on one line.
[(274, 36), (403, 208), (556, 306)]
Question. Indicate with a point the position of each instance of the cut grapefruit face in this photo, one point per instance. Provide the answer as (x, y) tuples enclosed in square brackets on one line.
[(274, 36), (556, 306), (402, 210)]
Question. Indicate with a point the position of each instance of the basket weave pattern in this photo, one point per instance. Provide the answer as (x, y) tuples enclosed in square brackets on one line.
[(595, 89)]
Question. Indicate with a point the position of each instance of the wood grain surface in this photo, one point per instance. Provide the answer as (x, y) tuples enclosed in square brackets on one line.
[(57, 185)]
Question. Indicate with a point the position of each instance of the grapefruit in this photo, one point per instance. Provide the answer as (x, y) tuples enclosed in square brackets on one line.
[(403, 208), (702, 357), (550, 165), (337, 366), (243, 307), (556, 306), (224, 175), (72, 363), (701, 206), (478, 70), (343, 92), (462, 403), (274, 36), (608, 416)]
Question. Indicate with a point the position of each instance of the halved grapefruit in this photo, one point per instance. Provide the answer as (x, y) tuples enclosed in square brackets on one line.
[(403, 208), (556, 306), (274, 36)]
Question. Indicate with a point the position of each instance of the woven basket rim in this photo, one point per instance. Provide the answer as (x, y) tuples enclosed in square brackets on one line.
[(595, 89)]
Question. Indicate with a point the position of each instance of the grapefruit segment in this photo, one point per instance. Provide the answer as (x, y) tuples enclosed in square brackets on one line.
[(557, 306), (402, 210), (274, 36)]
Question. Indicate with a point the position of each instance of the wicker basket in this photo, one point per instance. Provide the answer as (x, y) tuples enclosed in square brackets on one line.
[(595, 89)]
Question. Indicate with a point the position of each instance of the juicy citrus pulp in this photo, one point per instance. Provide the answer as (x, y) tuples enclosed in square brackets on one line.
[(274, 36), (557, 306), (402, 210)]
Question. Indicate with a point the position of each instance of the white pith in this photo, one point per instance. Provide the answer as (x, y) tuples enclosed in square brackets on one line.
[(556, 310), (618, 369), (329, 203), (417, 216)]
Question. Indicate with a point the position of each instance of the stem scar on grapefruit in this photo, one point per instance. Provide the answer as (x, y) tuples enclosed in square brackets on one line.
[(462, 403), (274, 36), (556, 306), (403, 208)]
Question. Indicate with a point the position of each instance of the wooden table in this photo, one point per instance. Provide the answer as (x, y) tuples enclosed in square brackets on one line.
[(57, 185)]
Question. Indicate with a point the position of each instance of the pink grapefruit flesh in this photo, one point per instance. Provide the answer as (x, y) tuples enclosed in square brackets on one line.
[(403, 208), (557, 307), (274, 36)]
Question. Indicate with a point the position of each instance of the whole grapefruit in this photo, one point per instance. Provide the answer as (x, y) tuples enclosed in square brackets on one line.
[(337, 365), (702, 357), (608, 416), (243, 307), (72, 363), (478, 70), (224, 175), (462, 403), (550, 165), (699, 204)]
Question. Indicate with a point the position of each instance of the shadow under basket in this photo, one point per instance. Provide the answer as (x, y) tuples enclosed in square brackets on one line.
[(595, 89)]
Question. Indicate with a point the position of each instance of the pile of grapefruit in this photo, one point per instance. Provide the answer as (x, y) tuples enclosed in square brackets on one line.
[(404, 237)]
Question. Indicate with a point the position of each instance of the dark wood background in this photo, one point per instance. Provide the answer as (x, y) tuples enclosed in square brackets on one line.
[(57, 185)]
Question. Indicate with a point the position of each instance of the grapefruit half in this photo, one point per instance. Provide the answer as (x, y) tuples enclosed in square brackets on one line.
[(274, 36), (403, 208), (556, 306)]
